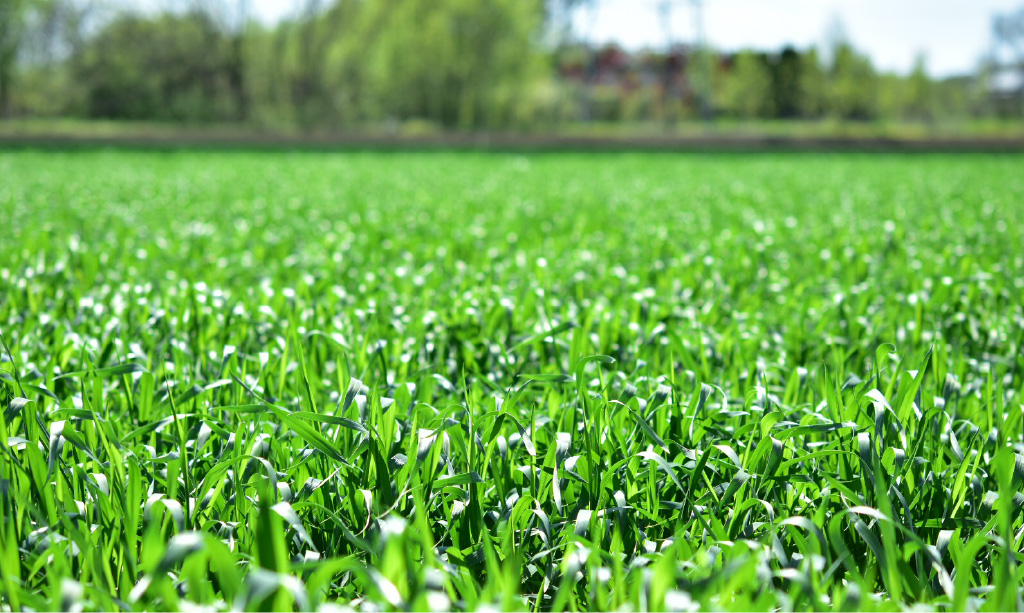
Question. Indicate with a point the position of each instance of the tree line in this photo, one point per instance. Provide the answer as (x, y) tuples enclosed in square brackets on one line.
[(457, 64)]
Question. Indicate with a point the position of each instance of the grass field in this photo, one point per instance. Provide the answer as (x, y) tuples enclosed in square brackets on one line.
[(459, 381)]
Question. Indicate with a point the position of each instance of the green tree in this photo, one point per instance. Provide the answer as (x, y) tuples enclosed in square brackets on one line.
[(172, 67), (812, 85), (231, 21), (748, 86), (853, 85), (313, 43), (958, 97), (786, 74), (920, 97), (13, 14), (460, 63), (892, 96)]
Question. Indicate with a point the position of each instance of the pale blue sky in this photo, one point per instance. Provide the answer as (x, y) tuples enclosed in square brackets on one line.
[(953, 34)]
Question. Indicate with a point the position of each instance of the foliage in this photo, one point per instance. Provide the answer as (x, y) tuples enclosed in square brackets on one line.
[(461, 62), (852, 86), (785, 86), (458, 381), (812, 85), (140, 68), (748, 88), (458, 63), (455, 64), (12, 30)]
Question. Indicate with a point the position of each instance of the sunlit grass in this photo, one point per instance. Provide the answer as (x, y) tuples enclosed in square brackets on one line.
[(454, 381)]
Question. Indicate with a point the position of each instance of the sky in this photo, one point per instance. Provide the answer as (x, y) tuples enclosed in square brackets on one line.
[(953, 35)]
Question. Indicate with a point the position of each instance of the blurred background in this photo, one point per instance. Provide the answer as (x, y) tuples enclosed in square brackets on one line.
[(622, 68)]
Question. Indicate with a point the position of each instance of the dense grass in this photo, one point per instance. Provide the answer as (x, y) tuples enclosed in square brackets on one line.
[(454, 381)]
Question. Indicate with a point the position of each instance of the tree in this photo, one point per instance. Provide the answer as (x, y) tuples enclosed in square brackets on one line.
[(892, 97), (173, 67), (812, 86), (53, 32), (311, 33), (461, 63), (853, 85), (231, 18), (13, 15), (786, 75), (748, 86), (1006, 79), (920, 97)]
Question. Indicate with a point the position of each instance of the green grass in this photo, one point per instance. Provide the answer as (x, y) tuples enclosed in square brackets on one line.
[(557, 382), (983, 132)]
